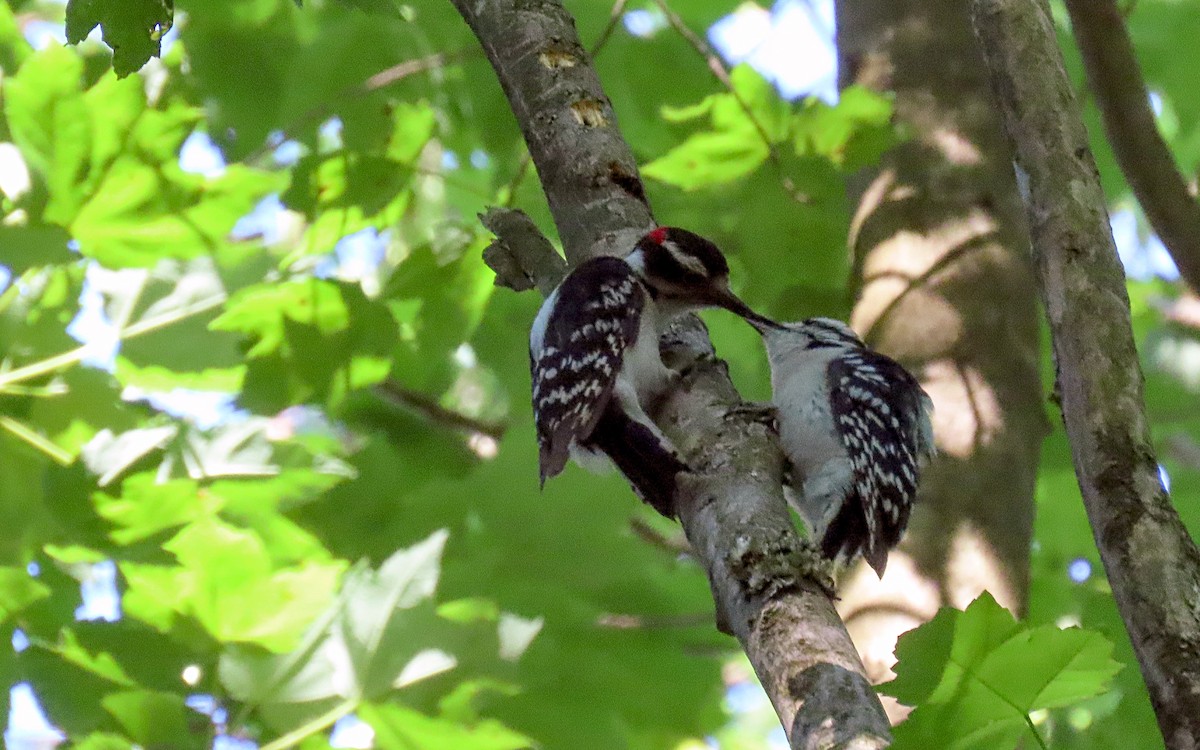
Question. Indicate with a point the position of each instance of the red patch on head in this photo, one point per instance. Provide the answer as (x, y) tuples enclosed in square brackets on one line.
[(658, 236)]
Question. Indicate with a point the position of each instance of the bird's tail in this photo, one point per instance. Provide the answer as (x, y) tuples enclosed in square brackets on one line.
[(651, 465)]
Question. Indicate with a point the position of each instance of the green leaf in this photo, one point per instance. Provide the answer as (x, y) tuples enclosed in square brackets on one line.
[(260, 311), (156, 719), (316, 341), (710, 158), (140, 214), (109, 455), (18, 590), (383, 633), (14, 49), (227, 582), (853, 133), (380, 7), (132, 28), (438, 302), (176, 301), (32, 246), (103, 741), (91, 403), (373, 638), (344, 193), (49, 121), (72, 681), (991, 673), (744, 124), (400, 728), (147, 506), (754, 93)]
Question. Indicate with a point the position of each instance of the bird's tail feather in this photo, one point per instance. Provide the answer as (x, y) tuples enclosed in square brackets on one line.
[(651, 466)]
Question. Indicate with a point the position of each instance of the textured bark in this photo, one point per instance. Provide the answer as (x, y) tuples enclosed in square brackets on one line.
[(1115, 77), (939, 245), (732, 508), (1152, 564)]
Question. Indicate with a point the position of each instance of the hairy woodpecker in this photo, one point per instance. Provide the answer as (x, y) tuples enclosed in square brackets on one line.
[(595, 363), (854, 425)]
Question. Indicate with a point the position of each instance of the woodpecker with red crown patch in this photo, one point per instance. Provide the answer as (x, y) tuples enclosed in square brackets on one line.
[(595, 362)]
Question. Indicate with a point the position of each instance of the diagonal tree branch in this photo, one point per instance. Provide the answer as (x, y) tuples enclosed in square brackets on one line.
[(732, 509), (1115, 77), (1152, 564), (426, 406)]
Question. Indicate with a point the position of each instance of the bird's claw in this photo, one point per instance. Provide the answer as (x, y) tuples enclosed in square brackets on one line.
[(814, 566), (764, 414)]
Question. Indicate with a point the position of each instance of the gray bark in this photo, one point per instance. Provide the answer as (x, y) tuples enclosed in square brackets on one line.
[(1151, 563), (732, 508)]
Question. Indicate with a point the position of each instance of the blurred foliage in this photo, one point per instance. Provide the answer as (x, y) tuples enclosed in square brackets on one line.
[(301, 544)]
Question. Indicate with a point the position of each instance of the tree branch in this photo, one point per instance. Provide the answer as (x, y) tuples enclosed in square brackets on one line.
[(1116, 79), (428, 407), (588, 172), (1151, 563)]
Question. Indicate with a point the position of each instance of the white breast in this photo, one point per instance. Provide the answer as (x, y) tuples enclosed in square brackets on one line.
[(537, 333), (821, 467)]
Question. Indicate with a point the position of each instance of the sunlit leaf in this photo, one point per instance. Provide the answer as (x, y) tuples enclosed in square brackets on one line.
[(398, 728), (227, 582), (994, 673), (49, 121)]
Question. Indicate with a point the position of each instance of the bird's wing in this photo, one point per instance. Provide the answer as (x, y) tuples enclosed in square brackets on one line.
[(576, 349), (873, 400)]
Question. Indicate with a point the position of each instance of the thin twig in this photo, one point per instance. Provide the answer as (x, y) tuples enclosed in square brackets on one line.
[(431, 410), (319, 724), (653, 622), (382, 79), (614, 17), (35, 439), (717, 67), (76, 355), (672, 545)]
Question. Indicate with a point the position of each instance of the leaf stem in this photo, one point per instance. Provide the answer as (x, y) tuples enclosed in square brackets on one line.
[(26, 433), (304, 731), (1036, 734), (1028, 721), (74, 356)]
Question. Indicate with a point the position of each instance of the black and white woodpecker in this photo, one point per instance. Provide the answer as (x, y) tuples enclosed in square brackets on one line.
[(854, 425), (595, 362)]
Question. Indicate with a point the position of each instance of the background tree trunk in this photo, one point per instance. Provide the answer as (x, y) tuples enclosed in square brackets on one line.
[(941, 253)]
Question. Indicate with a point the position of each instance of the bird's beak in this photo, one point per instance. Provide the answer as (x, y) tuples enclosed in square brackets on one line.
[(731, 302)]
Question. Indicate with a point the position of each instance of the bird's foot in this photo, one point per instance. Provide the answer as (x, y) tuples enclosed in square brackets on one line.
[(814, 566), (763, 413)]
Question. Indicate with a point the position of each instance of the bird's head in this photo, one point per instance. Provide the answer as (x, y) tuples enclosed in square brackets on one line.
[(686, 272)]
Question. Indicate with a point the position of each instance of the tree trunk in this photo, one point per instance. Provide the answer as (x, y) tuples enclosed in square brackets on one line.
[(941, 253), (1151, 563)]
